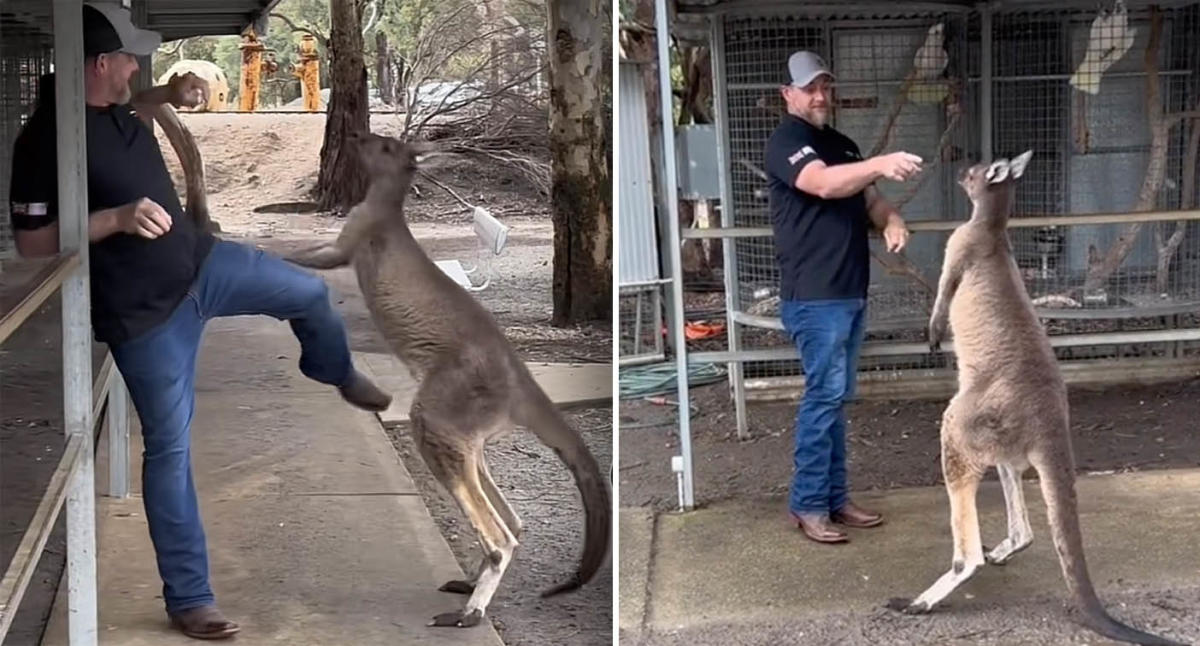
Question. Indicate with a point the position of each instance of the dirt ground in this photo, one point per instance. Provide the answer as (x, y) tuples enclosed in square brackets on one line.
[(889, 443), (895, 444), (270, 160)]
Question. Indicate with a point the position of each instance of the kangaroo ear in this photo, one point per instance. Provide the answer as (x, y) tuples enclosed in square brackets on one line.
[(997, 172), (1019, 163)]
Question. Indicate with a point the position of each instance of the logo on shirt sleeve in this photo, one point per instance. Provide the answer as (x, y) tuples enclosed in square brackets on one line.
[(801, 154), (29, 208)]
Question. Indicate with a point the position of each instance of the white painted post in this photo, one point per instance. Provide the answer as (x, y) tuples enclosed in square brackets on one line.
[(670, 193), (117, 423), (76, 320)]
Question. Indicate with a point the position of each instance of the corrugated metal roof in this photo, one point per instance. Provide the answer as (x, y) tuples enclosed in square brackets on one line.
[(174, 19)]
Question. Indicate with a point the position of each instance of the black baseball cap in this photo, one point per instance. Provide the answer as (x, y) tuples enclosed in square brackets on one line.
[(108, 28)]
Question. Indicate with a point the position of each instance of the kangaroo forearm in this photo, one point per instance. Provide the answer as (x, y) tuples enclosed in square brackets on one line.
[(153, 96), (358, 224)]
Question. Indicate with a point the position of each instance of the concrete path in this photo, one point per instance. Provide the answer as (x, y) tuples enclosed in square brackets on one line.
[(738, 573), (317, 534)]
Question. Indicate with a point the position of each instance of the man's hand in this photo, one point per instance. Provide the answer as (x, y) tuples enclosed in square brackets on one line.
[(187, 90), (899, 166), (144, 218), (895, 234)]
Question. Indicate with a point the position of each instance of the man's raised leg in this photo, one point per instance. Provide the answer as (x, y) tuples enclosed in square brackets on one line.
[(241, 280)]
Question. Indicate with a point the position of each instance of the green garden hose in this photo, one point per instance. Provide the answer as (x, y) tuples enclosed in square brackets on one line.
[(659, 379)]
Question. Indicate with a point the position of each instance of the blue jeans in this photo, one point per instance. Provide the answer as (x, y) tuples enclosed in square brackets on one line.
[(828, 334), (159, 367)]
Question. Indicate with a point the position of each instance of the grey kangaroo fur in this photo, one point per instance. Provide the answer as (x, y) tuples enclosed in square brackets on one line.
[(472, 384), (1011, 406)]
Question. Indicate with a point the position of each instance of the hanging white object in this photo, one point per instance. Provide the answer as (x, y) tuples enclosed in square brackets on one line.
[(931, 58), (492, 235), (1108, 41), (928, 65)]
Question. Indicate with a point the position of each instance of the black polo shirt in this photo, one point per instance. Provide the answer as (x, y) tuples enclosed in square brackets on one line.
[(820, 245), (136, 282)]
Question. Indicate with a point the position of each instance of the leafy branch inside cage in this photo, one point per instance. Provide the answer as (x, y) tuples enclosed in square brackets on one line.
[(928, 64), (1160, 125), (1167, 248)]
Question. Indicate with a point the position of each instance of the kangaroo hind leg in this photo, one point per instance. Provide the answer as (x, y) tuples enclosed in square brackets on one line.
[(450, 438), (962, 476), (1020, 533), (510, 520)]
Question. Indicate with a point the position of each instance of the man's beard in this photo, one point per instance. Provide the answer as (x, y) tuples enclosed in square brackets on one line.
[(124, 94), (819, 117)]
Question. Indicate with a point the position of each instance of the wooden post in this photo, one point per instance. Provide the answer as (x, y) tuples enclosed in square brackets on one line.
[(252, 50), (309, 71)]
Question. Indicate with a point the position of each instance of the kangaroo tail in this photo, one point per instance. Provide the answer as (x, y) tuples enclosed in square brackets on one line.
[(1058, 488), (539, 415)]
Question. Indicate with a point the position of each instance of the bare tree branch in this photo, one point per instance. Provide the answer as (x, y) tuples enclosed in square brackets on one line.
[(324, 40), (375, 13)]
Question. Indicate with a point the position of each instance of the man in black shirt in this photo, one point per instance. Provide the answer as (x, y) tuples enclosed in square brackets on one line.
[(822, 201), (155, 280)]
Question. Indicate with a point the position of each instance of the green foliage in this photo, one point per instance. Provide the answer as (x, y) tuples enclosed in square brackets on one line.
[(412, 28)]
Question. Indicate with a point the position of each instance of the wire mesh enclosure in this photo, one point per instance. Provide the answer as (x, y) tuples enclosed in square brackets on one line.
[(1093, 97), (26, 53), (641, 324), (1106, 95)]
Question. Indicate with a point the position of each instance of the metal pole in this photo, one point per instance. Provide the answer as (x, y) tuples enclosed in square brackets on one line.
[(637, 324), (670, 190), (118, 438), (985, 85), (733, 300), (76, 320), (658, 320)]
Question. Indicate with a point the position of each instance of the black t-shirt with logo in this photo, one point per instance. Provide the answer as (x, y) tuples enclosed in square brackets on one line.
[(820, 245), (136, 282)]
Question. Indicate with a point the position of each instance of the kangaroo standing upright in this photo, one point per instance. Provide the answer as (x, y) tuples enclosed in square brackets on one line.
[(1011, 406), (472, 384)]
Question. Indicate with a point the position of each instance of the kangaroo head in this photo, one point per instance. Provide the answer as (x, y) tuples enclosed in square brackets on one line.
[(981, 180), (387, 157)]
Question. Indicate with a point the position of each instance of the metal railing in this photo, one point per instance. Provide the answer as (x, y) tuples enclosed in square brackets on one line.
[(107, 388)]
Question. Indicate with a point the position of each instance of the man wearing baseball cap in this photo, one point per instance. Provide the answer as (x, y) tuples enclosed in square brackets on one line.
[(823, 201), (156, 279)]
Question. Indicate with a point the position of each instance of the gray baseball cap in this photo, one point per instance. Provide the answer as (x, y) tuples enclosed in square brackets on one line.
[(108, 28), (805, 66)]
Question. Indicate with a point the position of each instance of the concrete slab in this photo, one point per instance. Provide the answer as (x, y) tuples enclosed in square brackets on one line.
[(636, 542), (567, 384), (259, 354), (316, 532), (741, 563)]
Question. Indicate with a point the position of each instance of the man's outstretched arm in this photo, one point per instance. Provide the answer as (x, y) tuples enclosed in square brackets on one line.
[(186, 90)]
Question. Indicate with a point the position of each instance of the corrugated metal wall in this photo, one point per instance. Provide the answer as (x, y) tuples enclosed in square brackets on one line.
[(638, 262)]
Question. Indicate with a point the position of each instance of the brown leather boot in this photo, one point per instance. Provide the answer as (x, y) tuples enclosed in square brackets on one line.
[(851, 515), (359, 391), (203, 622), (817, 527)]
